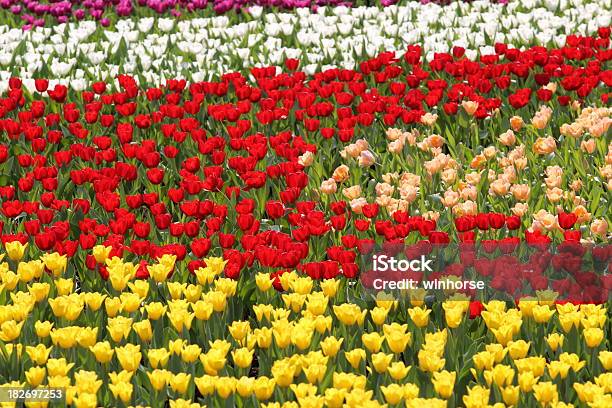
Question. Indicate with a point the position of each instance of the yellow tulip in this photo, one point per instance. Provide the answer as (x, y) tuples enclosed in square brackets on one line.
[(158, 357), (545, 392), (314, 373), (93, 300), (180, 382), (536, 365), (393, 393), (86, 336), (430, 361), (101, 253), (526, 381), (120, 273), (372, 341), (217, 298), (316, 303), (155, 310), (263, 337), (38, 354), (58, 381), (348, 313), (193, 293), (181, 403), (263, 281), (497, 350), (176, 289), (84, 400), (58, 367), (573, 360), (213, 361), (121, 376), (130, 302), (483, 360), (205, 384), (542, 313), (87, 382), (15, 250), (190, 353), (504, 334), (334, 398), (331, 345), (122, 391), (510, 394), (302, 285), (354, 357), (43, 329), (244, 386), (558, 368), (411, 391), (605, 357), (55, 262), (112, 306), (217, 264), (323, 324), (222, 345), (35, 376), (239, 330), (477, 397), (398, 371), (359, 398), (225, 386), (26, 271), (158, 272), (129, 356), (263, 387), (381, 361), (282, 371), (379, 315), (343, 380), (301, 337), (444, 382), (398, 341), (202, 310), (453, 313), (518, 349), (158, 378), (64, 286), (39, 290), (555, 340), (419, 316), (119, 327), (102, 351), (180, 319), (593, 336), (139, 288), (144, 330), (243, 357), (10, 330), (330, 287)]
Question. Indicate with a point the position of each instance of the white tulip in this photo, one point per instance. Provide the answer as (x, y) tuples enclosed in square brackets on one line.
[(5, 59), (165, 24), (255, 11)]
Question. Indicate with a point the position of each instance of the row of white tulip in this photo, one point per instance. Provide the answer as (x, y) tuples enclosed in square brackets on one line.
[(154, 49)]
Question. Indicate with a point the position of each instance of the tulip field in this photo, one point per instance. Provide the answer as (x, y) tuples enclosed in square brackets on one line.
[(194, 196)]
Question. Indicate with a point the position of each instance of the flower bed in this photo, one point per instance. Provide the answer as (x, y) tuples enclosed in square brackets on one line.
[(191, 243), (205, 48), (33, 13)]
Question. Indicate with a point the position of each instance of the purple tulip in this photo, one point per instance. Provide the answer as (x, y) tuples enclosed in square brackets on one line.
[(64, 10)]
